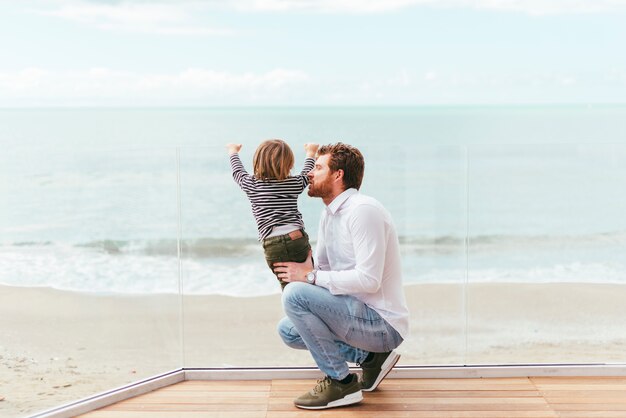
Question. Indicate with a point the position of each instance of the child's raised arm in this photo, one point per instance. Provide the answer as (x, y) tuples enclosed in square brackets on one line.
[(309, 163), (240, 175), (311, 149), (233, 148)]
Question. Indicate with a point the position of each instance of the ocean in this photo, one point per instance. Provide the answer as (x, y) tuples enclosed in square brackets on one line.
[(131, 201)]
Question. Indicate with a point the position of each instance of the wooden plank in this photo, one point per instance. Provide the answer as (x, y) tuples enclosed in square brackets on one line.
[(591, 407), (169, 414), (425, 384), (431, 407), (570, 397), (441, 401), (588, 400), (442, 384), (597, 387), (187, 407), (194, 397), (222, 386), (583, 394), (354, 413), (381, 393), (579, 379), (592, 414), (195, 401)]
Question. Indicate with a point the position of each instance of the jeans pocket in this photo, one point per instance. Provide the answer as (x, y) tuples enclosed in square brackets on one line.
[(298, 250)]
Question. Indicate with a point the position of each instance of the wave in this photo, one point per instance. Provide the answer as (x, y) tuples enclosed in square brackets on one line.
[(151, 266), (208, 247), (448, 244), (189, 248), (572, 272)]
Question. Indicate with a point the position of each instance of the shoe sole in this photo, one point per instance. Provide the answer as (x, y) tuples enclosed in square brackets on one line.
[(384, 370), (346, 400)]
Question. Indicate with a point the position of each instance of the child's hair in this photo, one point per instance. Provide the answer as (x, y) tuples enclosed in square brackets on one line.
[(273, 160)]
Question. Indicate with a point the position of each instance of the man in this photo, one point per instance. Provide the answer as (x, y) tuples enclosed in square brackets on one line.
[(351, 306)]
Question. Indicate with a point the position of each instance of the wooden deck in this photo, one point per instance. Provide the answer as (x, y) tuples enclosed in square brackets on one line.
[(571, 397)]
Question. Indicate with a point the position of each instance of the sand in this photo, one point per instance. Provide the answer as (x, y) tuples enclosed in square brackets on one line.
[(57, 346)]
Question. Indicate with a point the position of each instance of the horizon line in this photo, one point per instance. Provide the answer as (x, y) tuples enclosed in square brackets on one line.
[(299, 107)]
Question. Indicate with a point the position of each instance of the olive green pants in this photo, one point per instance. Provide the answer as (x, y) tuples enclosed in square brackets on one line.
[(293, 246)]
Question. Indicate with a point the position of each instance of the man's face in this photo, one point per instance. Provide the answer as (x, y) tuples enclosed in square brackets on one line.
[(320, 179)]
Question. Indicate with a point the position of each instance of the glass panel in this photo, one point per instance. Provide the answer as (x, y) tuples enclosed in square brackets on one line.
[(424, 188), (546, 254), (231, 298), (89, 272)]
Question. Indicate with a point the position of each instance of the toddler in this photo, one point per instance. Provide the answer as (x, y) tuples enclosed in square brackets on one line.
[(273, 195)]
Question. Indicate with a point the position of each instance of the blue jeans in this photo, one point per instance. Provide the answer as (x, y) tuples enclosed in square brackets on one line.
[(336, 329)]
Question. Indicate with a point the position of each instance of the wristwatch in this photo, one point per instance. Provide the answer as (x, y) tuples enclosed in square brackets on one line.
[(311, 276)]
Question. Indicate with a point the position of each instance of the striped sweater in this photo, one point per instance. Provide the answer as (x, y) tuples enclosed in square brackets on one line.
[(274, 202)]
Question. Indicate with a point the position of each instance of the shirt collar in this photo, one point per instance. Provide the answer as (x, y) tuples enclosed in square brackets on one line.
[(338, 201)]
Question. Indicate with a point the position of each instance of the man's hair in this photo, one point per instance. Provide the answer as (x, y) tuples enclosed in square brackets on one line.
[(347, 158), (273, 160)]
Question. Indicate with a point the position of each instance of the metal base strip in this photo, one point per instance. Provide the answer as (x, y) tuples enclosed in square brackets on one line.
[(122, 393)]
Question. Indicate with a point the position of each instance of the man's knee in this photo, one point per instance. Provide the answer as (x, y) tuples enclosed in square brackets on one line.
[(292, 294), (287, 332)]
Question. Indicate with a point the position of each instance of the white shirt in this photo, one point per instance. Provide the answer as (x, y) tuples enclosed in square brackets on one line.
[(358, 254)]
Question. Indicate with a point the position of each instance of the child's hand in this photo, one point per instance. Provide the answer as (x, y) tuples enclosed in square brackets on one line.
[(311, 149), (233, 148)]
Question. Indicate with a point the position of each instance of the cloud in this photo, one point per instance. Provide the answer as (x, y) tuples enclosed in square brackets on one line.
[(547, 7), (533, 7), (25, 80), (100, 86), (326, 6), (180, 17), (430, 76), (104, 86), (616, 76), (157, 18), (401, 79)]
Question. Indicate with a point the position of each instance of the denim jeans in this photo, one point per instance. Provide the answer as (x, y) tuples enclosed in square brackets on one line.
[(336, 329)]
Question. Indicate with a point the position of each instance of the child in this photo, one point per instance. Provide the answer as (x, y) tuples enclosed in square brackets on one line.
[(273, 194)]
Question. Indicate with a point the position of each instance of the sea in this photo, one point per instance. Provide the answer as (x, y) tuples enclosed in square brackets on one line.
[(141, 200)]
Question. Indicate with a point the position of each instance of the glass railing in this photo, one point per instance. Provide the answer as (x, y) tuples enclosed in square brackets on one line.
[(120, 265), (546, 266), (89, 271)]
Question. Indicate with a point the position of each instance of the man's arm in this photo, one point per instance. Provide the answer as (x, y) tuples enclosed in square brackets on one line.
[(369, 240), (321, 257), (368, 230)]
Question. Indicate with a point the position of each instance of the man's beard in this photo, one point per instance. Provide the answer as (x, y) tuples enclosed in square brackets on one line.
[(323, 189)]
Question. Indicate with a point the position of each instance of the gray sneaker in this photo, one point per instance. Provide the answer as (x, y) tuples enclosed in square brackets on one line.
[(329, 393), (375, 370)]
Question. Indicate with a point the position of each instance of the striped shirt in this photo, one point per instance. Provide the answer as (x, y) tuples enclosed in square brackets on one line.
[(274, 202)]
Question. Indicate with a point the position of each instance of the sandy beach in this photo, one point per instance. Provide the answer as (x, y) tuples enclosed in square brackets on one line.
[(59, 346)]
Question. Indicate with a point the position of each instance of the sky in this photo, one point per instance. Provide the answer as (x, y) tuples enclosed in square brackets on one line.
[(311, 52)]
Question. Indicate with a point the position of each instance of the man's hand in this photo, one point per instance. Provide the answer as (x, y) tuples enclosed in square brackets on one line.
[(294, 272), (233, 148)]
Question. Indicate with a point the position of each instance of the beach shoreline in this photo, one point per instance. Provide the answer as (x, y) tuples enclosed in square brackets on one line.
[(60, 346)]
